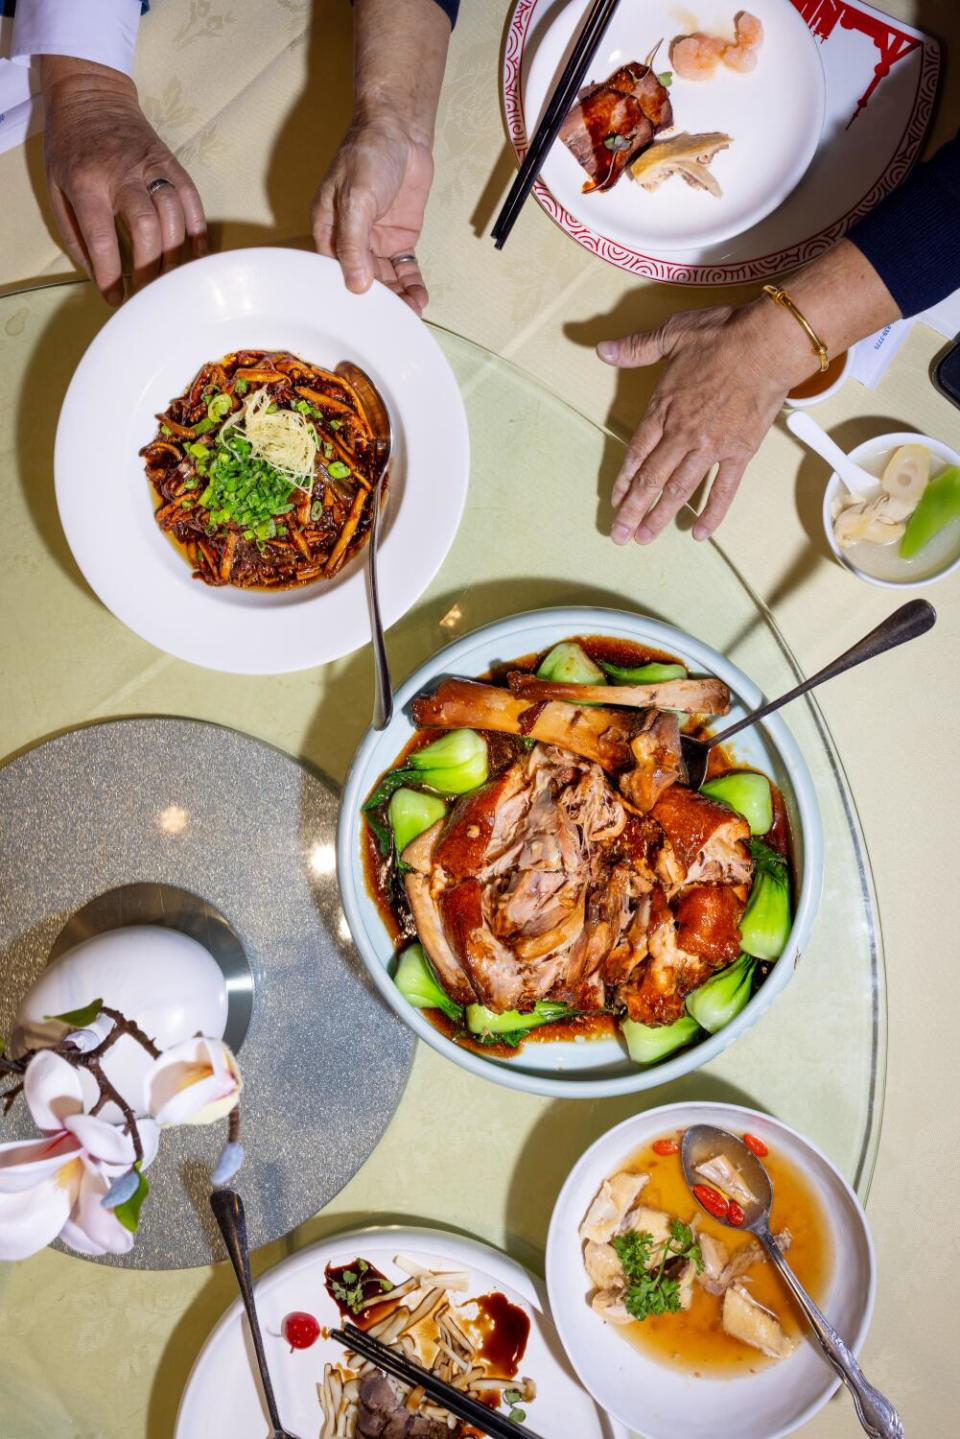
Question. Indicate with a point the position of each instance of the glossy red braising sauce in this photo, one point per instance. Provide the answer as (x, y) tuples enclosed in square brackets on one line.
[(300, 1329)]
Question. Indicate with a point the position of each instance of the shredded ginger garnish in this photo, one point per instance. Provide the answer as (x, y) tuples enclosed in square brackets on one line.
[(285, 439)]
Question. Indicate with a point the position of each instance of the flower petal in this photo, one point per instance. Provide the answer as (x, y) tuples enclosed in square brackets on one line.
[(103, 1141), (52, 1090), (27, 1163), (187, 1079), (30, 1221), (91, 1229)]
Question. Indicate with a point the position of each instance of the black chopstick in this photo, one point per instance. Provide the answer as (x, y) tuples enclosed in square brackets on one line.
[(592, 32), (461, 1405)]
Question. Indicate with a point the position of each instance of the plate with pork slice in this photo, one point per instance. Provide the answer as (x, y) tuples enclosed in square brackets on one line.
[(465, 1310), (692, 126), (531, 882)]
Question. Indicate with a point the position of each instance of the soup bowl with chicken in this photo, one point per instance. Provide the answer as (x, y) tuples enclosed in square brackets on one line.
[(675, 1322), (533, 885)]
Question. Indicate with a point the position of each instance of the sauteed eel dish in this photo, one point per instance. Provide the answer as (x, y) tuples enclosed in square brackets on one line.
[(263, 471), (546, 872)]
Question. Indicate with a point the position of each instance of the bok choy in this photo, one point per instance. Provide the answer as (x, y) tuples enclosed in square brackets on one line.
[(723, 996), (651, 674), (746, 792), (569, 664), (511, 1026), (419, 985), (410, 812), (646, 1044), (454, 763), (766, 922)]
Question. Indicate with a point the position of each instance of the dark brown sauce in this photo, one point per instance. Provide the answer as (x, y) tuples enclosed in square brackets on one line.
[(500, 1331), (373, 1301), (582, 1026)]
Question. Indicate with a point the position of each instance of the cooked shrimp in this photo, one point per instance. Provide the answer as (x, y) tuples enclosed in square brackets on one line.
[(749, 30), (696, 57), (742, 55)]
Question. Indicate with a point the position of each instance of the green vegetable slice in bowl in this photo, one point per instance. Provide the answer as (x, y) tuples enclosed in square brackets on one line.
[(939, 504), (453, 764), (569, 664), (419, 985), (485, 1022), (746, 792), (410, 812), (646, 1044), (722, 997), (651, 674), (767, 920)]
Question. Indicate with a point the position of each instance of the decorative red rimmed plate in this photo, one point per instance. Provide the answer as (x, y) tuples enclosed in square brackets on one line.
[(881, 80)]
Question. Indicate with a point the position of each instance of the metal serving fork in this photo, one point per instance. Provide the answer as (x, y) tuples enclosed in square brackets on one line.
[(383, 435), (228, 1211)]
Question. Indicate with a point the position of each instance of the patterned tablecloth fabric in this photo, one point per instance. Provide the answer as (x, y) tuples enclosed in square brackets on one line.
[(254, 98)]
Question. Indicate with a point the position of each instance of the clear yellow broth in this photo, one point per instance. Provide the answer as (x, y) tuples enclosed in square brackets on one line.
[(694, 1339)]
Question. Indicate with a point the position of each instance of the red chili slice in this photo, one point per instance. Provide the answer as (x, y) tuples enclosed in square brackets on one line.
[(735, 1214), (666, 1146), (712, 1200), (756, 1146)]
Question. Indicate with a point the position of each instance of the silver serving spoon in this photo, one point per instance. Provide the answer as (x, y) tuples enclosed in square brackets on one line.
[(227, 1209), (906, 623), (383, 436), (877, 1415)]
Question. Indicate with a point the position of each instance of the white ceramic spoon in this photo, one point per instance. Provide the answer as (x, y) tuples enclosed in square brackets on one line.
[(858, 481)]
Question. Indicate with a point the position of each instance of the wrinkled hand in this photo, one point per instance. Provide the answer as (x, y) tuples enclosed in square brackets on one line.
[(723, 382), (370, 207), (100, 154)]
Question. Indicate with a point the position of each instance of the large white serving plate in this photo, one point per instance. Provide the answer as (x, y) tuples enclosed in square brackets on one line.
[(222, 1396), (655, 1399), (773, 114), (149, 351), (588, 1068)]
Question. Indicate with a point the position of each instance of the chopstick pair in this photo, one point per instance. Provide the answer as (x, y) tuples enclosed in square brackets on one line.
[(461, 1405), (594, 27)]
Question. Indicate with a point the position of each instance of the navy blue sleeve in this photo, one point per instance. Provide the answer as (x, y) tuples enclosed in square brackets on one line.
[(911, 238), (451, 9)]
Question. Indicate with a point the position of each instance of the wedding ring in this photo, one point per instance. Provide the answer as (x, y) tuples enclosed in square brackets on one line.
[(408, 259), (158, 184)]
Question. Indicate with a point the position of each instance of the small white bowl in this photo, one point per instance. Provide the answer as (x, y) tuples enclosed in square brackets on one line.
[(660, 1401), (830, 390), (862, 455)]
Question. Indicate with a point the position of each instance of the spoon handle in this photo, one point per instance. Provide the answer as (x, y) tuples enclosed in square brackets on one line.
[(383, 689), (228, 1211), (910, 620), (877, 1415), (807, 430)]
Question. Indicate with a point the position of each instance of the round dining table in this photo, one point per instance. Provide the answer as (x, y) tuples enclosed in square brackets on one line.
[(860, 1052)]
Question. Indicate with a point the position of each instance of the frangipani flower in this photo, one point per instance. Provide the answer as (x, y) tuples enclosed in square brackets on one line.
[(53, 1186), (194, 1082)]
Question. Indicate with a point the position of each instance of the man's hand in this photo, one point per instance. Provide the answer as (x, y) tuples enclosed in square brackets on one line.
[(101, 154), (370, 207)]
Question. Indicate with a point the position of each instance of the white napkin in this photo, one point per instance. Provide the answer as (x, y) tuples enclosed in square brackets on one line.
[(872, 356)]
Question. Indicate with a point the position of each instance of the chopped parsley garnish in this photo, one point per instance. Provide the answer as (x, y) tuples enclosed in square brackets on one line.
[(352, 1289), (650, 1290)]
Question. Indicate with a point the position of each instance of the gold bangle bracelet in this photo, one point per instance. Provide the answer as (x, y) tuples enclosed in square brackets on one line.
[(780, 297)]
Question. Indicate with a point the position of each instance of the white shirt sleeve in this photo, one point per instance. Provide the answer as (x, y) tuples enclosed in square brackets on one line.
[(104, 31)]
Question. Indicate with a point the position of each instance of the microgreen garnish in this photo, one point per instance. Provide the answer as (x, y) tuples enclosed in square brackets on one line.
[(650, 1290)]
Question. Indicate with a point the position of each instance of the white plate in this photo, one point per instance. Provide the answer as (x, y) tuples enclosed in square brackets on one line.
[(662, 1402), (149, 351), (222, 1395), (594, 1068), (774, 115)]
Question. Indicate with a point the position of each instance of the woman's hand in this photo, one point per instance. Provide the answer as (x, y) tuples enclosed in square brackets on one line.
[(725, 377), (100, 154), (371, 204)]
